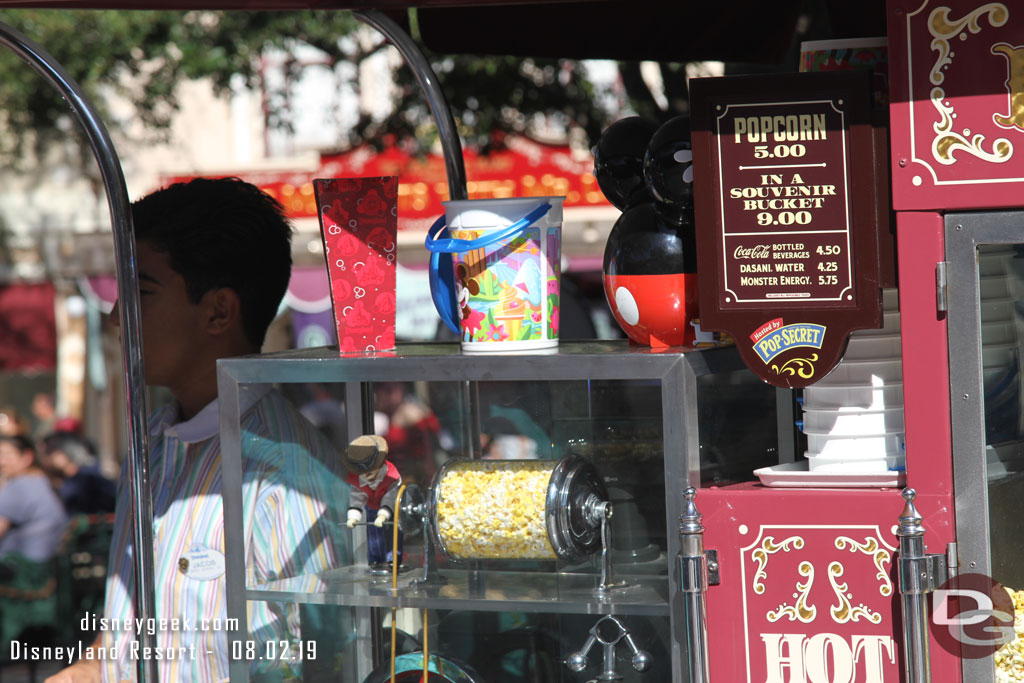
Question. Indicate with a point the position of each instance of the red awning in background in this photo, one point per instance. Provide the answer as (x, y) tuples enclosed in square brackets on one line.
[(28, 333), (524, 169)]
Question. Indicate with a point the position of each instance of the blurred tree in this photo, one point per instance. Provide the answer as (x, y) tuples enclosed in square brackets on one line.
[(143, 55)]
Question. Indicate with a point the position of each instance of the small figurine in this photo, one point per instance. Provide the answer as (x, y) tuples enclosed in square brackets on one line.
[(374, 483)]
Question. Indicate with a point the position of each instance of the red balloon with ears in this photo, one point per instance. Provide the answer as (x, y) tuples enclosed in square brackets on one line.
[(650, 267)]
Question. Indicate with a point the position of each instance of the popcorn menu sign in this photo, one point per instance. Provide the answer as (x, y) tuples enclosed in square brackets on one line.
[(786, 221)]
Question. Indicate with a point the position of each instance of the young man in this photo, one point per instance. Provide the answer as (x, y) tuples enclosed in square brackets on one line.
[(214, 260)]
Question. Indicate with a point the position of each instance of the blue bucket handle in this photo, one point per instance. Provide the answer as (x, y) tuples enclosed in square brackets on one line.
[(442, 272)]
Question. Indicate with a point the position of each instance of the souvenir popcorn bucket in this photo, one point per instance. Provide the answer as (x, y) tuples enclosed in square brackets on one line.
[(494, 271)]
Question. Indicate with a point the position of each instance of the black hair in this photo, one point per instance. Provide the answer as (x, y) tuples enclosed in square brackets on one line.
[(78, 450), (222, 232), (22, 443)]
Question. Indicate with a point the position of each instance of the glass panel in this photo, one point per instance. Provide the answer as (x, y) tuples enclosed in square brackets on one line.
[(1001, 273), (614, 424), (517, 619), (1001, 276), (738, 426)]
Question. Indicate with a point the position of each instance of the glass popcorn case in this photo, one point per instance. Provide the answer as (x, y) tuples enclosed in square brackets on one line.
[(539, 513), (985, 256)]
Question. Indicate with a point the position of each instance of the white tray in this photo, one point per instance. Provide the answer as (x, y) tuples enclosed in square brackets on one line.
[(796, 474)]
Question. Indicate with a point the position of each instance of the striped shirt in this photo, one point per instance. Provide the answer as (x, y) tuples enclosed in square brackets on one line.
[(292, 508)]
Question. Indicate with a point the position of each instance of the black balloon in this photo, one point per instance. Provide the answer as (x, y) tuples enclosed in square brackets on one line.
[(619, 161), (644, 242), (668, 165)]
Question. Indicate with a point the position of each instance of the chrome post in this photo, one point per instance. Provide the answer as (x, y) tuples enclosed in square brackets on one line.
[(693, 564), (599, 512), (918, 573), (128, 304), (608, 631)]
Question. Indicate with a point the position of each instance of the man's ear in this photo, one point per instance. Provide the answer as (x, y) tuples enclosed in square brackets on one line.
[(222, 310)]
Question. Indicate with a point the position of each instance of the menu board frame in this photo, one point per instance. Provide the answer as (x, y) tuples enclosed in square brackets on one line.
[(787, 219)]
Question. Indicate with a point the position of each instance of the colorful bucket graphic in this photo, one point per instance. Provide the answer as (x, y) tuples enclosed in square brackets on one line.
[(507, 289)]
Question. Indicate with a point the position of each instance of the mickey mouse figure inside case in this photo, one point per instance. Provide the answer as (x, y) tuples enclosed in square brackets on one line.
[(650, 263), (375, 483)]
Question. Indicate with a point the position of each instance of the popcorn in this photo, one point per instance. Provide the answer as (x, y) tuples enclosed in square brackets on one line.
[(1010, 657), (495, 509)]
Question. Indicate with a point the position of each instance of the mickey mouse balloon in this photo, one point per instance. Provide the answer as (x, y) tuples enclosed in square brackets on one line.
[(650, 269), (650, 278)]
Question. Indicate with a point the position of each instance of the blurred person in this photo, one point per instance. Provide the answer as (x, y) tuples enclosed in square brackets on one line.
[(45, 412), (214, 259), (32, 518), (410, 428), (76, 476)]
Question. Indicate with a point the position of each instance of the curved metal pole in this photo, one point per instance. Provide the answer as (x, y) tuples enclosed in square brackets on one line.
[(453, 163), (128, 297), (427, 79)]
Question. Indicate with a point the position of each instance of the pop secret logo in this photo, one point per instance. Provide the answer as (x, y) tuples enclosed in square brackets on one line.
[(775, 341)]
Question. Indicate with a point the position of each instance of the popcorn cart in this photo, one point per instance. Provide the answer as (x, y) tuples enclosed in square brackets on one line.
[(824, 572), (873, 544), (836, 497)]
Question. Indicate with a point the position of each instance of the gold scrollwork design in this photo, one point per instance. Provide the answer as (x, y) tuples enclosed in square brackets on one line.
[(1014, 83), (845, 611), (770, 547), (947, 141), (944, 29), (804, 367), (879, 555), (801, 611)]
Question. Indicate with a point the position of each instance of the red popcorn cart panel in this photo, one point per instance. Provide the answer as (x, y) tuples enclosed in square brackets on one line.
[(808, 588), (957, 104), (359, 224)]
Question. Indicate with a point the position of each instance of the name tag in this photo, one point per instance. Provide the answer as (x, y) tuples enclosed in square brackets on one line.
[(202, 563)]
